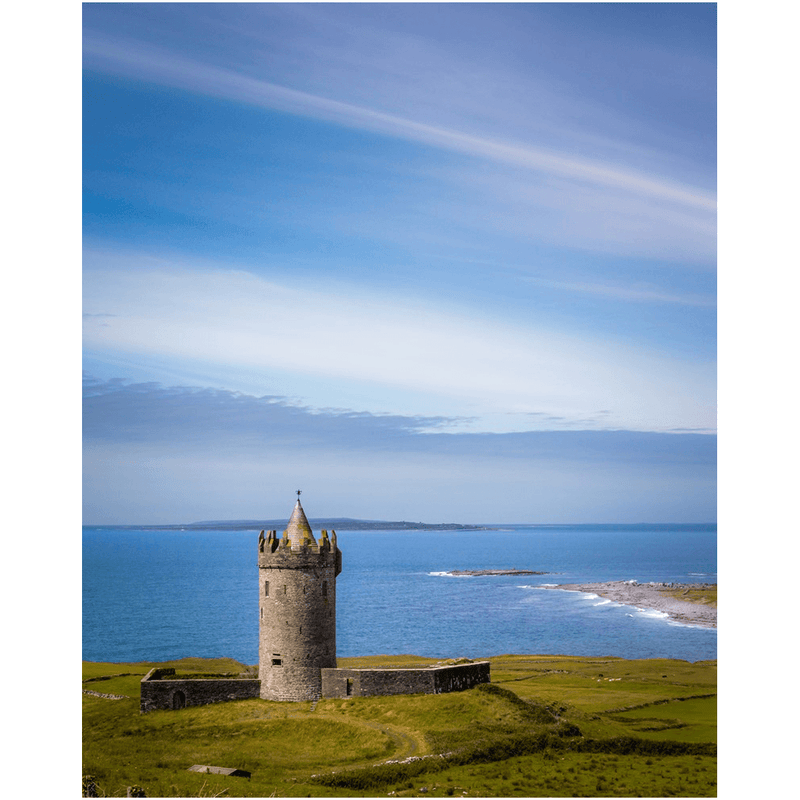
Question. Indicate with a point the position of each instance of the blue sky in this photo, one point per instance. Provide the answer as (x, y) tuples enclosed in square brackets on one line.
[(440, 262)]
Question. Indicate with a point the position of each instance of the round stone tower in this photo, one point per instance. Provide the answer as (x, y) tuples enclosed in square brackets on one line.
[(297, 609)]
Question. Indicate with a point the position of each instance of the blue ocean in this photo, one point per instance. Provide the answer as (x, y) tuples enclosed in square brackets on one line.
[(157, 595)]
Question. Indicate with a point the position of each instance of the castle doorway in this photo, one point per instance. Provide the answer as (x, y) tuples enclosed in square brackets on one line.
[(178, 700)]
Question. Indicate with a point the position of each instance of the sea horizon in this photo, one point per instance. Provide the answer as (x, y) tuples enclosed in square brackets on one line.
[(193, 592), (321, 521)]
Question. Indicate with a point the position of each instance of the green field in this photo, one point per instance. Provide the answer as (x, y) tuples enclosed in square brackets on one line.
[(547, 726), (703, 594)]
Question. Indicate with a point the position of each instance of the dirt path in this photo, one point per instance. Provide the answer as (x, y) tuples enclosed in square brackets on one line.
[(406, 744)]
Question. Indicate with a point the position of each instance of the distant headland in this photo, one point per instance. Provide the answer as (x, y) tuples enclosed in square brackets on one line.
[(329, 523)]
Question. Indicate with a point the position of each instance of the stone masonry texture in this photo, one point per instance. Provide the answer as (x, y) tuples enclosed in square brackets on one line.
[(297, 609), (427, 680), (159, 691)]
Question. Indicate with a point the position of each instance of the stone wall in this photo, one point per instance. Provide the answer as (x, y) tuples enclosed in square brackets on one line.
[(159, 691), (426, 680)]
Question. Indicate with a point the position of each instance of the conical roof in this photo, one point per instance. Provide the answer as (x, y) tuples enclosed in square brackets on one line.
[(298, 530)]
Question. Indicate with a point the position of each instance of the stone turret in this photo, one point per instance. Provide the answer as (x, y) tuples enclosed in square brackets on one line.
[(297, 609)]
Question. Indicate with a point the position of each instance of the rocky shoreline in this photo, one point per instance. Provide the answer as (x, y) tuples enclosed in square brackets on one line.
[(653, 596)]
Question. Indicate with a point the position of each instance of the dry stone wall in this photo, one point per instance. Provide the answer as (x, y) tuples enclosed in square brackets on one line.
[(428, 680), (159, 691)]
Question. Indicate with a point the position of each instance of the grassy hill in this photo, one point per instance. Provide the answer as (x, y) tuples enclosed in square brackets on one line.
[(547, 726)]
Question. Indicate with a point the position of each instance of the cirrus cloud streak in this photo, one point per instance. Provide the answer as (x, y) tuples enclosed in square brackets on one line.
[(147, 62)]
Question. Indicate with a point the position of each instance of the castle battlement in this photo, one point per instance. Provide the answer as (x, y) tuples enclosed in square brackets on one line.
[(284, 552)]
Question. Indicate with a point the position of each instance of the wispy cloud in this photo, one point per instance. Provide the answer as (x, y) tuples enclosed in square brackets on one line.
[(579, 215), (199, 454), (118, 411), (149, 63), (415, 252), (388, 345), (636, 294)]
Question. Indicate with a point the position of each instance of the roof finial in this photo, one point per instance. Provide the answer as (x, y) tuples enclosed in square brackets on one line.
[(299, 492)]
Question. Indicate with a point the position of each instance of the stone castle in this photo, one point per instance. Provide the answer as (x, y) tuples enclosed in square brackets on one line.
[(297, 609), (297, 637)]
